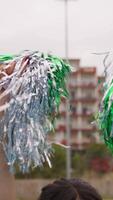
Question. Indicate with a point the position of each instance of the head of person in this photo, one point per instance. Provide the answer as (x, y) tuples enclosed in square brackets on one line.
[(73, 189)]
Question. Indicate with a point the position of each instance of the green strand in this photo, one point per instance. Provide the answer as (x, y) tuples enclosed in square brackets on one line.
[(105, 117), (4, 58), (57, 84)]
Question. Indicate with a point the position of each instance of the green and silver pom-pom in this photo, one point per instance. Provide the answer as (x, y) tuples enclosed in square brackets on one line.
[(105, 115), (34, 94)]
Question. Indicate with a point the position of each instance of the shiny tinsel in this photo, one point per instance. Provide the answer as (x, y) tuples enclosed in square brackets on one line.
[(34, 94), (105, 115)]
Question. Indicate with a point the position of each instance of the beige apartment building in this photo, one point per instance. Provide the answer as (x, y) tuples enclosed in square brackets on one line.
[(85, 95)]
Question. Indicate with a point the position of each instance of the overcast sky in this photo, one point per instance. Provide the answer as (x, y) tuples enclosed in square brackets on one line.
[(39, 25)]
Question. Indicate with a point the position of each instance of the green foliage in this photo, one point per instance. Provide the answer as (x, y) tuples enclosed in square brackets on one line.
[(78, 164), (96, 158), (97, 150)]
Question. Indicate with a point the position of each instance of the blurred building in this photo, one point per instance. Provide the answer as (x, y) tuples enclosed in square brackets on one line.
[(101, 80), (84, 101)]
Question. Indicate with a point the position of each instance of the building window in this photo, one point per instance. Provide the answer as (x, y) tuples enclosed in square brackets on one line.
[(73, 109), (84, 110), (72, 95)]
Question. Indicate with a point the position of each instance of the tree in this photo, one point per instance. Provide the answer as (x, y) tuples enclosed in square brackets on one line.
[(78, 164), (98, 158)]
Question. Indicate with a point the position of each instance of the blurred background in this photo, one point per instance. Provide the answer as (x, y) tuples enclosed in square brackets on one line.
[(79, 31)]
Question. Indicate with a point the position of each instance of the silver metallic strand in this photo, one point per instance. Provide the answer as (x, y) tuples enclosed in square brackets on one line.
[(25, 124)]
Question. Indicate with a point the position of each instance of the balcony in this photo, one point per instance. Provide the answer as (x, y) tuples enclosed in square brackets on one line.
[(76, 115), (84, 71), (63, 114), (83, 85), (62, 128), (86, 99), (83, 129)]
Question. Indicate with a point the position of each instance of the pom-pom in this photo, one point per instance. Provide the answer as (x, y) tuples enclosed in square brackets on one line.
[(105, 115), (34, 91)]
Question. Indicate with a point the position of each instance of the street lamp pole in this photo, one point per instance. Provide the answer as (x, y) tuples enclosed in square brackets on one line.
[(68, 131), (66, 30)]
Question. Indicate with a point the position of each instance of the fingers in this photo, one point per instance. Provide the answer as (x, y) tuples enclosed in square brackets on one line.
[(1, 66), (2, 73), (9, 69), (5, 70)]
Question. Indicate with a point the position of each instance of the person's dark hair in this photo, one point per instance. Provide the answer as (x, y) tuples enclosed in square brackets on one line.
[(73, 189)]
